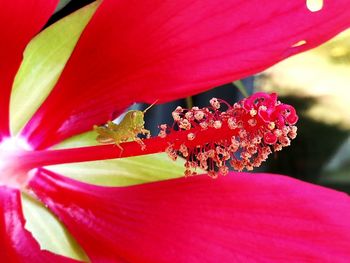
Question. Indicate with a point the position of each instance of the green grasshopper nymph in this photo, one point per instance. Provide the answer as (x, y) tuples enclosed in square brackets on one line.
[(127, 130)]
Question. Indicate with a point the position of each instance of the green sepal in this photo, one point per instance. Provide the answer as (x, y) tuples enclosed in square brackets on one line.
[(49, 231), (43, 62)]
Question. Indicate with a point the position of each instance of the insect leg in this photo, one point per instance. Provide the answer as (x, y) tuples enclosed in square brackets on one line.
[(146, 132), (140, 141), (120, 147)]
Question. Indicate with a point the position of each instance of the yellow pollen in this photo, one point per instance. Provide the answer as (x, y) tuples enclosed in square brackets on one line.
[(252, 112), (262, 107), (271, 125)]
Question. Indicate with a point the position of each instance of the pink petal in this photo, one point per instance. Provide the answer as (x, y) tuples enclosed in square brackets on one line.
[(17, 244), (237, 218), (20, 20), (148, 50)]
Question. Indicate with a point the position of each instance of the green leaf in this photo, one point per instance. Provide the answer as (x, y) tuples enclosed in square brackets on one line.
[(80, 140), (48, 230), (123, 171), (117, 172), (44, 60)]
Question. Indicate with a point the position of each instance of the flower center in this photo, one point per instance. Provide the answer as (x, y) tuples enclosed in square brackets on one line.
[(12, 172)]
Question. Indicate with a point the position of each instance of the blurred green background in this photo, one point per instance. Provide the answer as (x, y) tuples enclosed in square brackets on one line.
[(317, 83)]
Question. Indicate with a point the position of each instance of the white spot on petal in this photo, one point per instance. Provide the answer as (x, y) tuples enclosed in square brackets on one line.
[(299, 43), (314, 5)]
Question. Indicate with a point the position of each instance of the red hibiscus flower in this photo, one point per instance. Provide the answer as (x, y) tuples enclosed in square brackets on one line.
[(136, 51)]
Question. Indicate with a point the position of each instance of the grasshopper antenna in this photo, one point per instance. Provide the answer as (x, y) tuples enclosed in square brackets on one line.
[(150, 106)]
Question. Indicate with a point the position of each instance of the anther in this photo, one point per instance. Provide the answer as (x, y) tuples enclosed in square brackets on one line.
[(252, 112), (271, 125), (191, 136), (215, 103), (217, 124)]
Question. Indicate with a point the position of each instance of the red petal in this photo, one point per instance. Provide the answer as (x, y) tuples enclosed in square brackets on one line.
[(17, 244), (237, 218), (19, 21), (165, 50)]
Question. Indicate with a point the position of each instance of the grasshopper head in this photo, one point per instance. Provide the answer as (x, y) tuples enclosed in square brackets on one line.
[(137, 118)]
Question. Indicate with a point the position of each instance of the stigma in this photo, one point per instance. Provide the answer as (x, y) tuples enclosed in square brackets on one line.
[(223, 136)]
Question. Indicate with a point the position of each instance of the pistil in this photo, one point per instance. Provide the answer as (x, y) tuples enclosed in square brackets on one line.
[(212, 138)]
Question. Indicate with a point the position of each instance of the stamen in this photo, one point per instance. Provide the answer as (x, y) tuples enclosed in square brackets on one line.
[(241, 135), (217, 124), (191, 136), (215, 103)]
